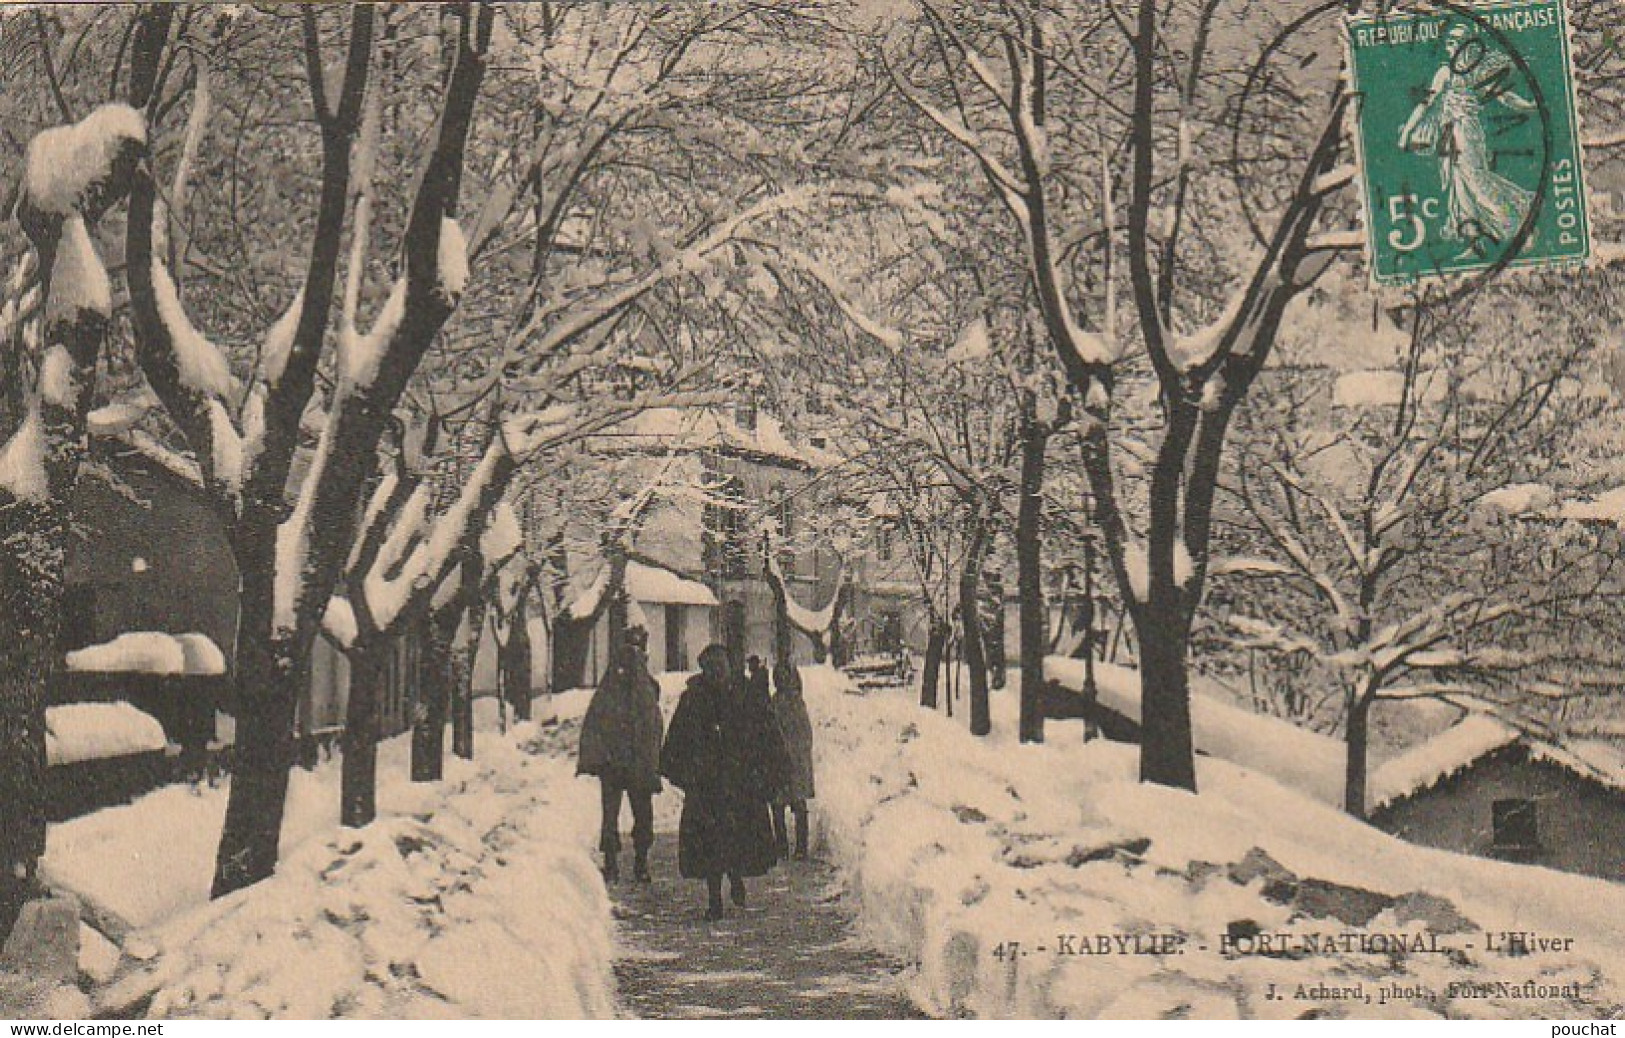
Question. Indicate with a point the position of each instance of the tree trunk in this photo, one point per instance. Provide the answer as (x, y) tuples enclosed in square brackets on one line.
[(516, 659), (430, 707), (783, 632), (43, 441), (970, 620), (270, 681), (30, 612), (369, 669), (840, 652), (931, 672), (1166, 745), (1358, 737), (572, 638), (993, 640), (572, 635), (466, 652), (1030, 580)]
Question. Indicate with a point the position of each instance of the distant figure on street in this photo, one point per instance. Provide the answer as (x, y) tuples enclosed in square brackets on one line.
[(756, 678), (724, 751), (790, 710), (620, 743)]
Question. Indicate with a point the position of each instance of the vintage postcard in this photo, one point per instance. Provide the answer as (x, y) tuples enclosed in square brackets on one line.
[(812, 509)]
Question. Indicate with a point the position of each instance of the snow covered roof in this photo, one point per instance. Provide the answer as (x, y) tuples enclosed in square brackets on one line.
[(1476, 736), (715, 428), (656, 585), (1313, 764), (646, 584), (79, 732), (1607, 507), (1427, 764), (1296, 757), (1518, 499), (151, 652), (1382, 388)]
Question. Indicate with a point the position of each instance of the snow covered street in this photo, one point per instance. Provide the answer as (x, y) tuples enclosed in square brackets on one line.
[(793, 953)]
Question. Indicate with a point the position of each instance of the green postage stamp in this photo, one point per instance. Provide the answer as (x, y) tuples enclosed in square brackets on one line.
[(1469, 139)]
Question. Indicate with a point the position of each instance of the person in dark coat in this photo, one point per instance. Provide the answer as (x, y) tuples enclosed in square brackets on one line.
[(790, 711), (724, 751), (620, 743), (756, 678)]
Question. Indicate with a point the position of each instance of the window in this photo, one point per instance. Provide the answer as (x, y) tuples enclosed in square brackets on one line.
[(883, 545), (1517, 828), (725, 549), (676, 637)]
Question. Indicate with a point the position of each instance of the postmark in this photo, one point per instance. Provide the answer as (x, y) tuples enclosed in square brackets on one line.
[(1468, 139)]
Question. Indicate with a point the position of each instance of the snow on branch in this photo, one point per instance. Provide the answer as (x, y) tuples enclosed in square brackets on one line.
[(844, 297), (360, 356), (68, 169), (279, 341), (586, 315), (1271, 637), (200, 363), (814, 623), (1239, 566), (434, 556)]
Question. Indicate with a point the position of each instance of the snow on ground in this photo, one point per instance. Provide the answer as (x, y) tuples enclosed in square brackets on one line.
[(1307, 761), (473, 897), (956, 845)]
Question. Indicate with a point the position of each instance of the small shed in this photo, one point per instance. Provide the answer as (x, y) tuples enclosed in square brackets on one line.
[(1487, 788)]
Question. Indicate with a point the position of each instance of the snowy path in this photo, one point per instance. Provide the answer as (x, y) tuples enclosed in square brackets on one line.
[(792, 953)]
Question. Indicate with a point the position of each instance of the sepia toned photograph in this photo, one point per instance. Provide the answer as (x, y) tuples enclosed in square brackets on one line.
[(812, 510)]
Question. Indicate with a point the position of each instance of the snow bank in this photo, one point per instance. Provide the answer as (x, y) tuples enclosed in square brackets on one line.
[(151, 652), (1304, 760), (956, 846), (473, 897), (97, 731)]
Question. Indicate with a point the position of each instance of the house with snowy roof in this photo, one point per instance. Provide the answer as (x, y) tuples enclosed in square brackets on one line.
[(1488, 788), (1481, 786), (696, 574)]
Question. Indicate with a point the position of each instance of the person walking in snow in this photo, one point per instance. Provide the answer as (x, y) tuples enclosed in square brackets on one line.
[(756, 678), (790, 711), (724, 751), (620, 744)]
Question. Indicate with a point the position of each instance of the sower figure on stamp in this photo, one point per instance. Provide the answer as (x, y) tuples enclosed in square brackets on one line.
[(1450, 123), (620, 743), (790, 710), (725, 753)]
